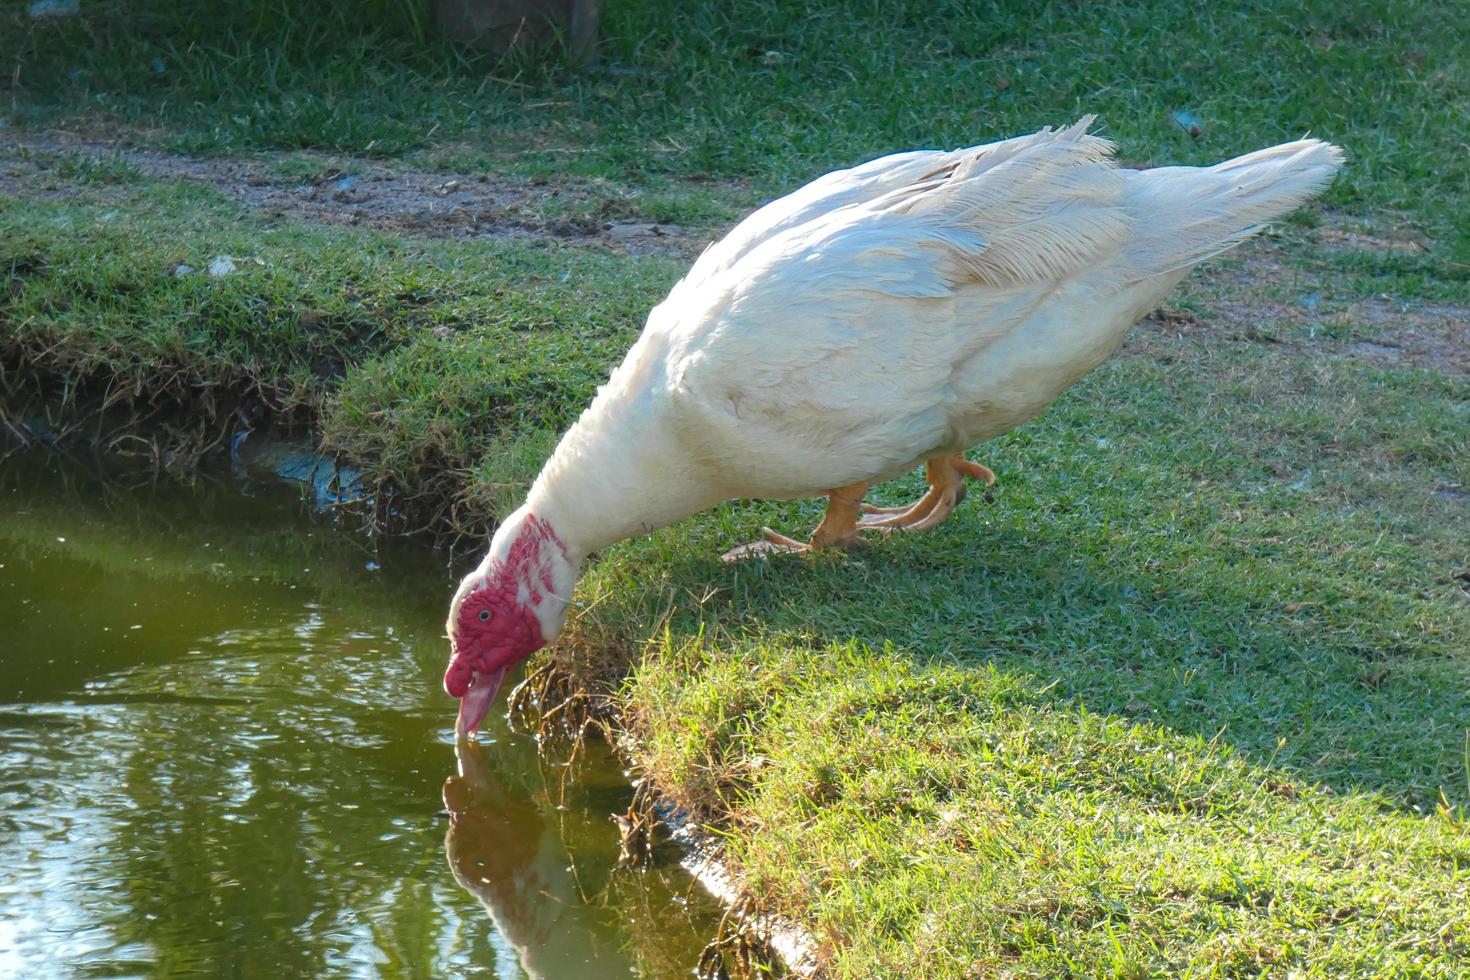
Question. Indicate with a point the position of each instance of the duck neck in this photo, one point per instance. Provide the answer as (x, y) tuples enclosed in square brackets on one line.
[(618, 472)]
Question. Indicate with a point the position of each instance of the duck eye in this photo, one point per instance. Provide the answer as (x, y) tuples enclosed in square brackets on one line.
[(484, 615)]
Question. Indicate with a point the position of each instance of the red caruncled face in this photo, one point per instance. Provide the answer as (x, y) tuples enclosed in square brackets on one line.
[(493, 632), (494, 626)]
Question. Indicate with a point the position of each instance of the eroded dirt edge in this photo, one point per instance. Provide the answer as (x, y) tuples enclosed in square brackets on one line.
[(321, 188)]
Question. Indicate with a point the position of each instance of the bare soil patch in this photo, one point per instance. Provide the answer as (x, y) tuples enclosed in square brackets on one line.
[(1239, 307), (329, 189)]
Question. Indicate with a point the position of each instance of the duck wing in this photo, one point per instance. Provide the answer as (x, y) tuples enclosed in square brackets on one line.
[(845, 334)]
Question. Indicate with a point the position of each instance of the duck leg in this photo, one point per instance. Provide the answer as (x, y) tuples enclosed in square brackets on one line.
[(946, 489), (837, 529)]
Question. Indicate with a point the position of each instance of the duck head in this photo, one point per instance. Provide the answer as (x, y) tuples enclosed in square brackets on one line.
[(504, 611)]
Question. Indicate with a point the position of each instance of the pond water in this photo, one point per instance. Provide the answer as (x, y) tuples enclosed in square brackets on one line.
[(224, 751)]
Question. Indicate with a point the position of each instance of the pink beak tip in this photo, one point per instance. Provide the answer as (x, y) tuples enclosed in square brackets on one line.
[(476, 702)]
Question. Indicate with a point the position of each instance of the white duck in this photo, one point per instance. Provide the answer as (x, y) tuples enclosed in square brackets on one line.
[(894, 314)]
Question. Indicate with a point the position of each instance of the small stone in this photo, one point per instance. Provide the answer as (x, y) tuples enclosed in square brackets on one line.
[(221, 266), (1189, 122), (629, 230)]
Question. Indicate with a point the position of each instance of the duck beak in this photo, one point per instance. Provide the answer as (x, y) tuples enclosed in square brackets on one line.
[(476, 702)]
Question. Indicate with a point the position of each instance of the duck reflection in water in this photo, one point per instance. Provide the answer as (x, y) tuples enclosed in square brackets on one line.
[(507, 852)]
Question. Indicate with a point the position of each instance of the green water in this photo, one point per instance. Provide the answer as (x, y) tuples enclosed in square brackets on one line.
[(224, 752)]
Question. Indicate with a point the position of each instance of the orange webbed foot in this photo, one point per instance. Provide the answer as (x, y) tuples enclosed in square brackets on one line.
[(946, 490)]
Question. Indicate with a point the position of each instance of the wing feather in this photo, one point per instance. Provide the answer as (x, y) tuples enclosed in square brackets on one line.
[(1026, 211)]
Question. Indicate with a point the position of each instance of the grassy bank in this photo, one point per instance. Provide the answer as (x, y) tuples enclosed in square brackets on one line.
[(1188, 693), (430, 363)]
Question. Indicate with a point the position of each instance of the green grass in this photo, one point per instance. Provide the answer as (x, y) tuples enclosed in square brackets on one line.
[(779, 91), (1188, 696), (63, 170)]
